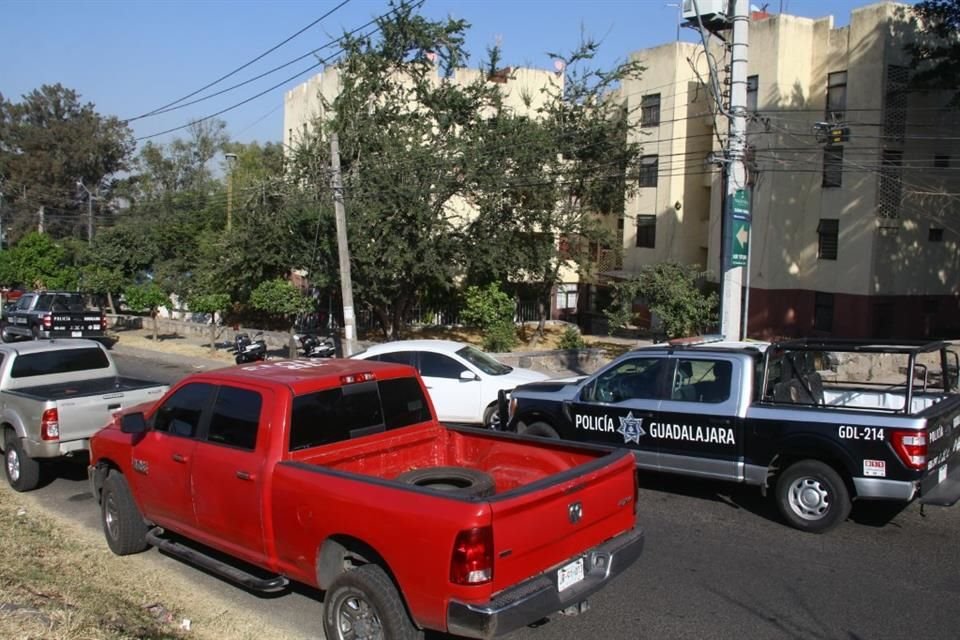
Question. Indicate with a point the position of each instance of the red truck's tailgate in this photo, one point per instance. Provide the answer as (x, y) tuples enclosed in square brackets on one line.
[(545, 524)]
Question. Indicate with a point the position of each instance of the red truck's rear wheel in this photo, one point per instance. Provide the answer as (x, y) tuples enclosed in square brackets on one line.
[(363, 604), (123, 526)]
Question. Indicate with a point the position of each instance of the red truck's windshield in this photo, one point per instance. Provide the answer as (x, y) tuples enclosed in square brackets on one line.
[(357, 409)]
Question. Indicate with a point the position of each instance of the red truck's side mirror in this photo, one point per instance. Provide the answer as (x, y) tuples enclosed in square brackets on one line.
[(133, 423)]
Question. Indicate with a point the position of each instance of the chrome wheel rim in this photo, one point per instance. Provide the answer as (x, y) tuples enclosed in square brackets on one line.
[(809, 498), (13, 465), (110, 518), (358, 620)]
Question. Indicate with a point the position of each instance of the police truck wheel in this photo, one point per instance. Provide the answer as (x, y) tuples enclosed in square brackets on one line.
[(812, 496), (491, 420), (23, 472), (363, 604), (541, 429), (4, 335), (35, 330), (123, 526)]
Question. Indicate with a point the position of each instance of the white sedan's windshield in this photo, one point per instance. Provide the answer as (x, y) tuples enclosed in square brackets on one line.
[(483, 361)]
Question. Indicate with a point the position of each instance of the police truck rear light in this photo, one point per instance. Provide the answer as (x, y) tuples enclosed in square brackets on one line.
[(103, 323), (911, 448), (472, 561), (50, 425), (47, 322)]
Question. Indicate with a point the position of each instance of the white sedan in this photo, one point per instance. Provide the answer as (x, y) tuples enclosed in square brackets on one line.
[(462, 380)]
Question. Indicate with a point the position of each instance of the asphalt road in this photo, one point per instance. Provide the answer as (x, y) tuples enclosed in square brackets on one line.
[(717, 564)]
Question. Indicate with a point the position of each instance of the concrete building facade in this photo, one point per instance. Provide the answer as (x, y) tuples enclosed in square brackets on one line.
[(853, 236)]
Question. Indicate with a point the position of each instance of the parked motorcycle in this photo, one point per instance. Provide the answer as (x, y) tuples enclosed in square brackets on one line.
[(249, 350), (314, 346)]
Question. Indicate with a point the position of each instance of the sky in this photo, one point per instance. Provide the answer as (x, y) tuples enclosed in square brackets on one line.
[(130, 57)]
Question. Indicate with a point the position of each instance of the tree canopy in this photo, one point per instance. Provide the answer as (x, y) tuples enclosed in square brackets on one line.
[(936, 51)]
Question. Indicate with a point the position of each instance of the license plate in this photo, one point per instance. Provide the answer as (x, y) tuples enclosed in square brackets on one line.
[(569, 575), (76, 334)]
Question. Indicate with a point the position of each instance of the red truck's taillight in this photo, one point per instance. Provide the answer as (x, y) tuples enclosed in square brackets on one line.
[(47, 322), (472, 561), (911, 447), (50, 425)]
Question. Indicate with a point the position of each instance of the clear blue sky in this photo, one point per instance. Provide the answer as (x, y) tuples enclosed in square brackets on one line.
[(131, 56)]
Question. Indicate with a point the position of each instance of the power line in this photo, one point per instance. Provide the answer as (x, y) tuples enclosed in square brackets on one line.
[(243, 66)]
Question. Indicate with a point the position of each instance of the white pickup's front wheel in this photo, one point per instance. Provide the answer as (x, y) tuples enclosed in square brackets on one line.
[(363, 604), (812, 496)]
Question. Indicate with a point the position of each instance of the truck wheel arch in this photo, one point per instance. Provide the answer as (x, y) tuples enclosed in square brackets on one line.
[(828, 455), (340, 553)]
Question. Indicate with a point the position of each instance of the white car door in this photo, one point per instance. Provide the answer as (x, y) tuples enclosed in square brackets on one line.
[(454, 398)]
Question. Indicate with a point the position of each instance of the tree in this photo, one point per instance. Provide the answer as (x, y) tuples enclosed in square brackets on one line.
[(936, 50), (48, 142), (39, 262), (491, 310), (400, 126), (670, 292), (147, 298), (210, 303), (280, 297)]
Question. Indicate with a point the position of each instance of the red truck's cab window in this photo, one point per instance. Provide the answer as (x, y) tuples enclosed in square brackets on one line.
[(235, 418), (180, 414), (354, 410)]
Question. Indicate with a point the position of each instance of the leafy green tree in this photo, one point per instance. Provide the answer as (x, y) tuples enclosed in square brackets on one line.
[(491, 310), (404, 234), (936, 50), (147, 298), (281, 298), (210, 303), (37, 261), (571, 338), (48, 142), (670, 292)]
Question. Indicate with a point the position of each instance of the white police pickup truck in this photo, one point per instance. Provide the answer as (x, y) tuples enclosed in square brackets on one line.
[(780, 415)]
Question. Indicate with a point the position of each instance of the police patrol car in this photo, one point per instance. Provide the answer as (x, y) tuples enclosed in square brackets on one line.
[(776, 415)]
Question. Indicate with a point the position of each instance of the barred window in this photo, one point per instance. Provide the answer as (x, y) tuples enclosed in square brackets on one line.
[(833, 167), (828, 231), (649, 166), (891, 184), (836, 95), (650, 110), (646, 231)]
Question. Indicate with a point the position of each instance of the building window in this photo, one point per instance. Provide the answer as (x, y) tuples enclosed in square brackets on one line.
[(895, 104), (828, 231), (891, 184), (650, 110), (753, 85), (836, 95), (646, 231), (823, 311), (941, 162), (833, 167), (649, 165), (935, 235)]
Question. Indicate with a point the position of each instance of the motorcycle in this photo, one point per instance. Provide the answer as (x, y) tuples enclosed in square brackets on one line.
[(314, 346), (248, 350)]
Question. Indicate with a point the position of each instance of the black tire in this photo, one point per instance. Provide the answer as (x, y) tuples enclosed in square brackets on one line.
[(4, 336), (123, 526), (35, 330), (490, 418), (460, 481), (23, 472), (363, 603), (541, 429), (812, 496)]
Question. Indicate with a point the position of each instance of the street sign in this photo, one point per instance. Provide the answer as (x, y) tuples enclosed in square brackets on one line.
[(739, 242), (740, 204)]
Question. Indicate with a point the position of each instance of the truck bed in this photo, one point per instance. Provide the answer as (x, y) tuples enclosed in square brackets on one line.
[(511, 461), (82, 388)]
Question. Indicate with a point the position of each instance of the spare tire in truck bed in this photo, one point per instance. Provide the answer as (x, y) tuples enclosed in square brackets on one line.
[(461, 481)]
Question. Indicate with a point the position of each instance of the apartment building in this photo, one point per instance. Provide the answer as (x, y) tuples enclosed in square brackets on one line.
[(855, 233)]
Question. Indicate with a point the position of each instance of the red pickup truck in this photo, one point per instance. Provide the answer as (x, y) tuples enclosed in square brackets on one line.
[(336, 474)]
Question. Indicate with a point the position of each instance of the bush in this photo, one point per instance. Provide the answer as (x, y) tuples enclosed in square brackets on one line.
[(571, 339), (500, 337)]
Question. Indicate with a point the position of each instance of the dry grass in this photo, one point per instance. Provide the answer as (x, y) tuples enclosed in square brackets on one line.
[(59, 581)]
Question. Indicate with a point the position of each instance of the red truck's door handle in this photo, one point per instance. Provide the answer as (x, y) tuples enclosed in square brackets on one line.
[(179, 457), (244, 475)]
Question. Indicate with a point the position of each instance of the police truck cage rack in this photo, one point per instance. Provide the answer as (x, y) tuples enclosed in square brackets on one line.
[(802, 368)]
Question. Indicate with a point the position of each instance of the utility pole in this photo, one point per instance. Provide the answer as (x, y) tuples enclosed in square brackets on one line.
[(40, 226), (90, 199), (231, 160), (736, 197), (343, 249)]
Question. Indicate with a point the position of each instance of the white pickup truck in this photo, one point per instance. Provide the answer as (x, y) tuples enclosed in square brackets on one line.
[(54, 395)]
